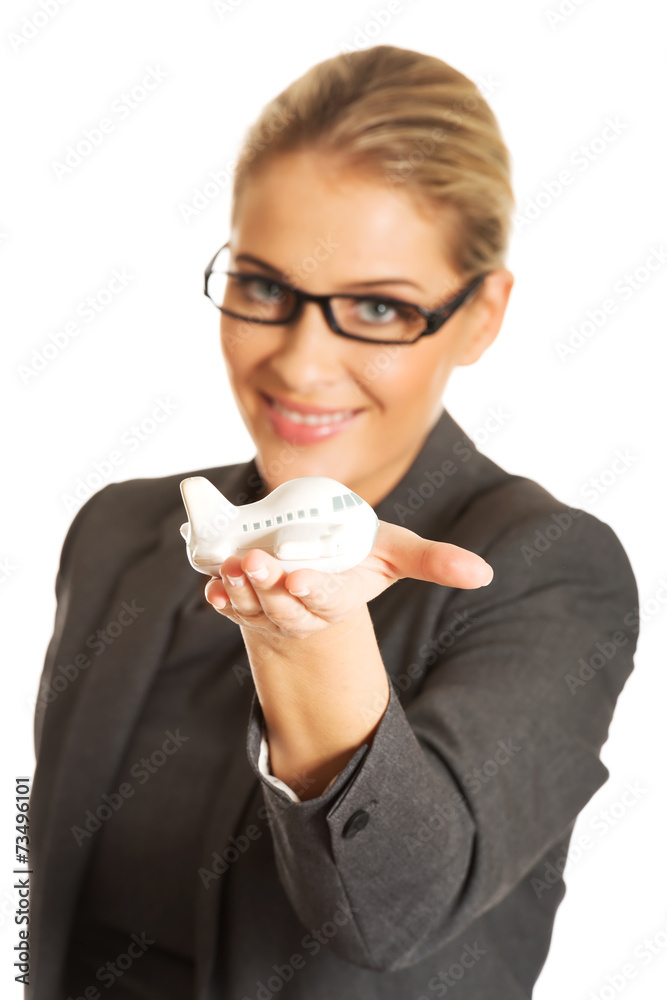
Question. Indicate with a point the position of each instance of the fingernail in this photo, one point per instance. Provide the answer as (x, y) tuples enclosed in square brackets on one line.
[(490, 578), (236, 581), (298, 593), (258, 574)]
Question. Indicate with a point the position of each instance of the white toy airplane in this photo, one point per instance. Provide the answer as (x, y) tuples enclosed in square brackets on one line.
[(309, 523)]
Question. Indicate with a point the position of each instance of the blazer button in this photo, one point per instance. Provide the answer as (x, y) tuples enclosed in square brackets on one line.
[(355, 823)]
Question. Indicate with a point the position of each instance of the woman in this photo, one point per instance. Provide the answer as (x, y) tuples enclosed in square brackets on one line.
[(348, 785)]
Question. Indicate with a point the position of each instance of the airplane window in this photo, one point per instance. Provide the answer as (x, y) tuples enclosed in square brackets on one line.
[(245, 527), (314, 511), (358, 499), (337, 503), (279, 519), (256, 524), (301, 513), (290, 515), (267, 522), (349, 502)]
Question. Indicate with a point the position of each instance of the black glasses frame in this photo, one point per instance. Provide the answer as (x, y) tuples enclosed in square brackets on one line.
[(435, 318)]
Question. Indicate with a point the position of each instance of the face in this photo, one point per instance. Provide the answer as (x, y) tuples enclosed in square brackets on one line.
[(330, 229)]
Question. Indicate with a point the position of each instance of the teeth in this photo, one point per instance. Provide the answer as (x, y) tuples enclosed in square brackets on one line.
[(311, 418)]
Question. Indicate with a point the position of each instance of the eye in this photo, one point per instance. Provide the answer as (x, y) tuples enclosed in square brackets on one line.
[(376, 311), (260, 289)]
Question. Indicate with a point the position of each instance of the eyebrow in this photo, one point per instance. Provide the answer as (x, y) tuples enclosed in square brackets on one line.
[(349, 284)]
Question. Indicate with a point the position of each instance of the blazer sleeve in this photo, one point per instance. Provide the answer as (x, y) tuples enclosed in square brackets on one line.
[(465, 788), (264, 766)]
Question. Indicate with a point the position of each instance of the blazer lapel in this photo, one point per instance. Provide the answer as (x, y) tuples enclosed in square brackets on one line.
[(239, 786)]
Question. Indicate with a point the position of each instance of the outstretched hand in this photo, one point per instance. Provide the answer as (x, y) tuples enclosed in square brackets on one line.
[(305, 601)]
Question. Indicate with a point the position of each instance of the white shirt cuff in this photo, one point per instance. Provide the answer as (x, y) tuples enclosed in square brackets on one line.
[(264, 764)]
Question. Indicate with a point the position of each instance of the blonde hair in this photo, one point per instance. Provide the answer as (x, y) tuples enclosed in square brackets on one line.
[(407, 117)]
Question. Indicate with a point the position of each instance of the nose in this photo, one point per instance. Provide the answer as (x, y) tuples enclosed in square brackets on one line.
[(312, 320), (309, 350)]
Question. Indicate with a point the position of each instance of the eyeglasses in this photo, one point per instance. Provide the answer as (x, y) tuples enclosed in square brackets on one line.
[(258, 298)]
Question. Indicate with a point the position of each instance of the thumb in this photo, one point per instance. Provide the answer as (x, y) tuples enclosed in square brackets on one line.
[(436, 562)]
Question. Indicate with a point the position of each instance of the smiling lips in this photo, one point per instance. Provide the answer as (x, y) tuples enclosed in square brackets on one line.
[(307, 427), (287, 406)]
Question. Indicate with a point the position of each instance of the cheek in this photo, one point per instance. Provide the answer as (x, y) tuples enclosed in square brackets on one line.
[(233, 341), (404, 375), (239, 348), (383, 371)]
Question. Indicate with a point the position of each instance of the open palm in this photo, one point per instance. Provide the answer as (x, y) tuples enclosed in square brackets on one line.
[(278, 602)]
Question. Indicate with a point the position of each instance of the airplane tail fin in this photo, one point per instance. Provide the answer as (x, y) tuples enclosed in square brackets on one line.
[(209, 512)]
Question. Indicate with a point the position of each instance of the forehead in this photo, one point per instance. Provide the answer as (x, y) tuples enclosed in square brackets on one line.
[(299, 201)]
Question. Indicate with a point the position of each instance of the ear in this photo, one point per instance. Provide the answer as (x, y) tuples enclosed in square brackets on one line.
[(487, 309)]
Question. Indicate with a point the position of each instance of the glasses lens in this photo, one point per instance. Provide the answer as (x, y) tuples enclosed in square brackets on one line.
[(253, 296), (249, 295), (378, 319)]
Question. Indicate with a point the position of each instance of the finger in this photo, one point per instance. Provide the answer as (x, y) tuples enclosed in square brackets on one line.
[(425, 559), (216, 595), (332, 596), (219, 589), (269, 582), (239, 588)]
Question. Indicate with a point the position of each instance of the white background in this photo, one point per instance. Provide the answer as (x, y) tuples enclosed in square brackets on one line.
[(552, 86)]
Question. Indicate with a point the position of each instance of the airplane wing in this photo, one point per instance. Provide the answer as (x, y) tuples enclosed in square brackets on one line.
[(308, 541)]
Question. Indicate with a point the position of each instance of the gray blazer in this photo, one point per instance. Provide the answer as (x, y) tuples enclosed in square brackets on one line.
[(434, 859)]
